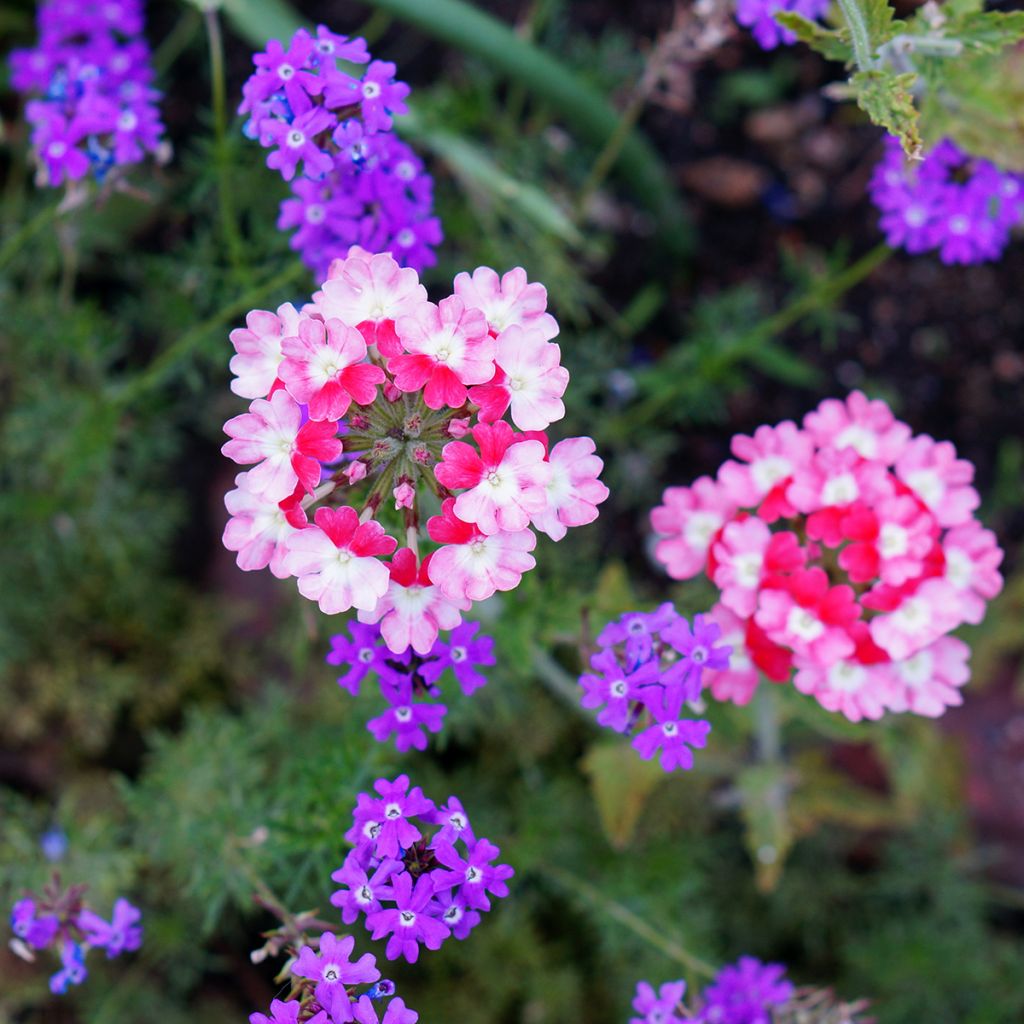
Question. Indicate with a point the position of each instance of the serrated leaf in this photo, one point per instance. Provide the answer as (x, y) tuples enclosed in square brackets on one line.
[(768, 831), (887, 99), (621, 782), (880, 21), (987, 31), (828, 42)]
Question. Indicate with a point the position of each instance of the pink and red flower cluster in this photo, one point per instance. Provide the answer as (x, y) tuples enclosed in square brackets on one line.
[(846, 551), (378, 406)]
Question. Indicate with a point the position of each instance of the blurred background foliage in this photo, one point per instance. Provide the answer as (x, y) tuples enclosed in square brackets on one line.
[(172, 718)]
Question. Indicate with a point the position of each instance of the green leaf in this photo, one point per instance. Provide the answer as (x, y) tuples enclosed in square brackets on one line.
[(828, 42), (887, 99), (880, 21), (987, 31), (621, 782)]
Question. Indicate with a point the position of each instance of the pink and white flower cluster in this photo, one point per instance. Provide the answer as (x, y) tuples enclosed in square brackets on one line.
[(372, 407), (846, 552)]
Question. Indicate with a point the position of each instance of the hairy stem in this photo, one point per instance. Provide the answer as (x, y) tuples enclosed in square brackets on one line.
[(859, 36)]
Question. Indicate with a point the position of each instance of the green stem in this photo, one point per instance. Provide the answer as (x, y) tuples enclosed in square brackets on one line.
[(29, 229), (859, 35), (222, 152), (636, 924), (161, 367), (175, 42), (612, 150)]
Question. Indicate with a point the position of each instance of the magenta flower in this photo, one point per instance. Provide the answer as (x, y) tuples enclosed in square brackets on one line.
[(407, 721), (361, 894), (37, 931), (410, 922), (287, 1013), (364, 653), (661, 1007), (365, 1012), (745, 992), (454, 824), (383, 822), (463, 652), (332, 969), (673, 738), (296, 141), (614, 690), (475, 875)]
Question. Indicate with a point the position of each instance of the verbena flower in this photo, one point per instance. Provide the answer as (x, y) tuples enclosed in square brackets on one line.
[(59, 920), (362, 413), (418, 873), (959, 205), (759, 17), (745, 993), (652, 664), (409, 682), (845, 551), (353, 182), (659, 1007), (94, 107)]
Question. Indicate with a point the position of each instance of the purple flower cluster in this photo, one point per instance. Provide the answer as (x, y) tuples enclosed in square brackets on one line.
[(650, 665), (358, 184), (60, 920), (759, 17), (325, 989), (958, 204), (741, 993), (409, 682), (96, 108), (416, 871)]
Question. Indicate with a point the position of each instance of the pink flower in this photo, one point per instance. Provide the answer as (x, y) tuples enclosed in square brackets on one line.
[(448, 347), (834, 480), (931, 677), (472, 564), (855, 690), (404, 495), (891, 541), (746, 553), (942, 481), (972, 558), (573, 490), (529, 377), (918, 620), (809, 616), (770, 458), (288, 451), (336, 562), (512, 300), (505, 481), (865, 425), (687, 522), (738, 682), (258, 530), (258, 348), (324, 369), (413, 610), (370, 293)]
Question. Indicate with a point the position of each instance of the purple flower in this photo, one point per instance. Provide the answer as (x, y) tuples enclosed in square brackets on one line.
[(121, 935), (452, 909), (475, 875), (37, 932), (286, 1013), (330, 45), (638, 631), (384, 823), (961, 206), (744, 993), (365, 1012), (463, 652), (361, 896), (72, 970), (409, 923), (281, 70), (364, 653), (673, 738), (405, 720), (379, 96), (90, 71), (759, 17), (454, 824), (614, 689), (332, 969), (660, 1007), (297, 141), (682, 680)]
